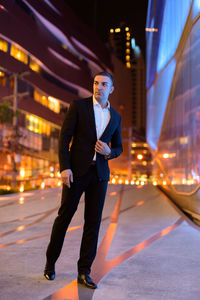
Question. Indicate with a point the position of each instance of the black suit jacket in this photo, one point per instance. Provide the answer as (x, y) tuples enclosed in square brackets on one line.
[(80, 129)]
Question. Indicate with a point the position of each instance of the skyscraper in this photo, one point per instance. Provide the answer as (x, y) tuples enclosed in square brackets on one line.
[(122, 41)]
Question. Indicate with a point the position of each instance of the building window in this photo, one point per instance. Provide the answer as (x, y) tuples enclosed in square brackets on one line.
[(40, 98), (18, 54), (2, 79), (50, 102), (34, 66), (3, 45), (53, 104), (37, 125)]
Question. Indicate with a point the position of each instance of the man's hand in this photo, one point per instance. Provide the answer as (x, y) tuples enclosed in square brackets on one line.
[(102, 148), (67, 177)]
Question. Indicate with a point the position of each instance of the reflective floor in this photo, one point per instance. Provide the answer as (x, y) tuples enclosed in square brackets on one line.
[(147, 248)]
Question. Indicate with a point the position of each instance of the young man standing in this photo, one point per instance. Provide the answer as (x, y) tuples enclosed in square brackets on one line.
[(92, 125)]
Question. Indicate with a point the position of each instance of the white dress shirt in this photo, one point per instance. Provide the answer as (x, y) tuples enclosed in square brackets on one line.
[(102, 118)]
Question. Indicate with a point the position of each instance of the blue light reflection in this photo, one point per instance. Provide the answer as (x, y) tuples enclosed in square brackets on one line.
[(196, 8), (157, 103), (175, 16)]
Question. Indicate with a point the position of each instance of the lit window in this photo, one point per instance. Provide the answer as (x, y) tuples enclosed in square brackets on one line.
[(128, 65), (38, 125), (50, 102), (3, 46), (128, 34), (54, 104), (34, 66), (128, 51), (111, 30), (127, 29), (117, 30), (127, 57), (44, 100), (128, 44), (40, 98), (19, 54)]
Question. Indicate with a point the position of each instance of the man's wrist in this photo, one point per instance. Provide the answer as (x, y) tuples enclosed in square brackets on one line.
[(108, 156)]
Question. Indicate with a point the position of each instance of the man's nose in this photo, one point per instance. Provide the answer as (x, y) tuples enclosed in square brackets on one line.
[(99, 86)]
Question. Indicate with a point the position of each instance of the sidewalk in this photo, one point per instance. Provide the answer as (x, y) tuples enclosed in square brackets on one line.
[(147, 249)]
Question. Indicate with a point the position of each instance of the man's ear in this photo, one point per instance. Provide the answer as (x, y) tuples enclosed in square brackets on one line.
[(112, 89)]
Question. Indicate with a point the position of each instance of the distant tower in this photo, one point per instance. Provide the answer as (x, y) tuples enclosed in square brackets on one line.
[(122, 41)]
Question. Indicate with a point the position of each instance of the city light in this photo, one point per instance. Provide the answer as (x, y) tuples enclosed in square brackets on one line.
[(113, 180), (21, 189), (42, 185), (21, 200), (133, 43), (22, 172), (139, 156), (151, 29)]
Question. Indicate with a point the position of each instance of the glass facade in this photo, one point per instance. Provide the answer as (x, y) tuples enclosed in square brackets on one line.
[(173, 87)]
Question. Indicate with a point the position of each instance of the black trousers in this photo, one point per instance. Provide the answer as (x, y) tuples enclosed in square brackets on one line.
[(95, 192)]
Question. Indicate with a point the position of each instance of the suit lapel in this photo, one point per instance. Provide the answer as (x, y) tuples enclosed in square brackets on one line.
[(110, 124), (91, 117)]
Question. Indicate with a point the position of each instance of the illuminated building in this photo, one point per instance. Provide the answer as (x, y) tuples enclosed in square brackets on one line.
[(124, 46), (47, 59), (173, 106)]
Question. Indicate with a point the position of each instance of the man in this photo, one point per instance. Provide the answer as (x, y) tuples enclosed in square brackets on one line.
[(92, 124)]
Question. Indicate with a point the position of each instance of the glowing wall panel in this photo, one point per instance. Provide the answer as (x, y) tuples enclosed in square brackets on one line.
[(175, 16), (157, 103), (154, 21), (196, 8), (180, 137), (173, 102)]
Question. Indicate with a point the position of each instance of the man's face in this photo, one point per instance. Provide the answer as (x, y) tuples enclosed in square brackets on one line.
[(102, 87)]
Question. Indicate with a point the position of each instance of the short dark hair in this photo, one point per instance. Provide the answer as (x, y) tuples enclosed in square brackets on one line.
[(105, 73)]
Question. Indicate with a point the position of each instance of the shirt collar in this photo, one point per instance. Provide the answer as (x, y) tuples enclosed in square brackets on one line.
[(95, 102)]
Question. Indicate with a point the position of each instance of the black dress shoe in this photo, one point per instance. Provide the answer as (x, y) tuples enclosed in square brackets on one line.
[(85, 280), (49, 272)]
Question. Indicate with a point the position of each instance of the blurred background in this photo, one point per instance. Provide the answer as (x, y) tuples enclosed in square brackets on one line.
[(49, 53)]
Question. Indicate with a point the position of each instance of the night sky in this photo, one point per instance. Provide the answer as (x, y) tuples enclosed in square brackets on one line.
[(101, 15)]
